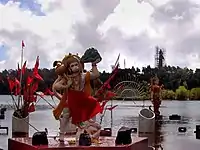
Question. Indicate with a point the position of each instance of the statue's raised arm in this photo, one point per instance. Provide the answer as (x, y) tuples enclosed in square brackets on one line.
[(92, 56)]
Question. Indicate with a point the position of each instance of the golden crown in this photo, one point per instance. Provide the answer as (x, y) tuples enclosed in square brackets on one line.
[(72, 55)]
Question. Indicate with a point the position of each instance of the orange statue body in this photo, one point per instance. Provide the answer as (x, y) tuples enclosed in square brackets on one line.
[(156, 95)]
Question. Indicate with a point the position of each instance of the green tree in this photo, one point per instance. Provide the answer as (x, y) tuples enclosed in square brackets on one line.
[(168, 95), (195, 94), (182, 93)]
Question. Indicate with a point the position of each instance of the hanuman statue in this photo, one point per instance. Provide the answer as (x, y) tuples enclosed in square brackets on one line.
[(76, 101)]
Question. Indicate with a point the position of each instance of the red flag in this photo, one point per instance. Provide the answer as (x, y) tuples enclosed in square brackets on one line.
[(48, 92), (17, 82), (23, 45), (110, 95), (106, 84), (111, 108), (34, 87), (37, 76), (31, 108), (11, 84), (35, 69), (24, 68), (29, 80), (103, 106), (17, 87)]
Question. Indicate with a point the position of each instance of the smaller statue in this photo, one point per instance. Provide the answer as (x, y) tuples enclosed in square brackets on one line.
[(156, 95)]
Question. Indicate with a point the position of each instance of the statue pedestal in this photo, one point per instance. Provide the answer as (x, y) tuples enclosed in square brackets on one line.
[(20, 127), (146, 121)]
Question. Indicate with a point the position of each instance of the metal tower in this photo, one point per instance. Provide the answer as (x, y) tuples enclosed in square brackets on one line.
[(160, 57)]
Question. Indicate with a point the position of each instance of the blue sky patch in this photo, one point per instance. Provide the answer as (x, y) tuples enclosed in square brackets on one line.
[(31, 5), (3, 49)]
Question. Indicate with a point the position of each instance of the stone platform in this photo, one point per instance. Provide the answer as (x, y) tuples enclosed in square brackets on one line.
[(106, 143)]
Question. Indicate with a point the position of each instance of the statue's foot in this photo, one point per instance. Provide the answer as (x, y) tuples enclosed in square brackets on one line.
[(61, 137), (96, 141)]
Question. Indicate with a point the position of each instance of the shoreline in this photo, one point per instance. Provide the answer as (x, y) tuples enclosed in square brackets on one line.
[(130, 99)]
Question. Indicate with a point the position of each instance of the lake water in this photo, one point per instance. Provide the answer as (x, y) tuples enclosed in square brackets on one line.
[(126, 114)]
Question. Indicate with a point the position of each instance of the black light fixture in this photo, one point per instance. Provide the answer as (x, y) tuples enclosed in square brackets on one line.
[(40, 138), (2, 116), (2, 110), (182, 129), (106, 132), (123, 136), (85, 139), (197, 131), (175, 117), (2, 113)]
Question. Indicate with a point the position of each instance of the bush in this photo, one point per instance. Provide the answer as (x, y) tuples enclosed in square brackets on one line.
[(182, 93)]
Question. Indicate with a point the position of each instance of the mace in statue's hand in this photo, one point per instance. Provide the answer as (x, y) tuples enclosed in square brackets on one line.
[(91, 55)]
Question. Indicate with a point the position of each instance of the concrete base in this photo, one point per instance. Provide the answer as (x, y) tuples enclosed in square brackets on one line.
[(107, 143)]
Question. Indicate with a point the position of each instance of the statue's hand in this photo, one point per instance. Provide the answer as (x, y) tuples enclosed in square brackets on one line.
[(96, 61)]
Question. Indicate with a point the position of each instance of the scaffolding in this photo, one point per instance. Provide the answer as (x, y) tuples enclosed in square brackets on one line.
[(160, 57)]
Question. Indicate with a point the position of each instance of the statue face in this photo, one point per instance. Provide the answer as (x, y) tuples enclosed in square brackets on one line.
[(156, 82), (74, 66)]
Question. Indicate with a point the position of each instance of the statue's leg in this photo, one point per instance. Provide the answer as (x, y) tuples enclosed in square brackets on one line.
[(156, 107), (64, 120), (94, 129)]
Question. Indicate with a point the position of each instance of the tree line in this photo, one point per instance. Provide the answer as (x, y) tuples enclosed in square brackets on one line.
[(179, 83)]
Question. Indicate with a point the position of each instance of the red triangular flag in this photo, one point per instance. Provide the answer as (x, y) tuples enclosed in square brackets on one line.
[(23, 45), (111, 108), (110, 95), (24, 68), (48, 92), (37, 76), (35, 69), (31, 108), (11, 84)]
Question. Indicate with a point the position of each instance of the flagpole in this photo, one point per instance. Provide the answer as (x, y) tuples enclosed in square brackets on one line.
[(22, 54), (111, 113)]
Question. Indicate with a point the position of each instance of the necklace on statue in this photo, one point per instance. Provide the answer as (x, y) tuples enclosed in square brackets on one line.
[(76, 83)]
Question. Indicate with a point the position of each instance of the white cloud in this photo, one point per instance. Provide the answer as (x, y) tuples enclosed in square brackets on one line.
[(133, 29), (53, 31)]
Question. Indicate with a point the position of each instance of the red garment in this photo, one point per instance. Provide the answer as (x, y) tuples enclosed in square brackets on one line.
[(82, 106)]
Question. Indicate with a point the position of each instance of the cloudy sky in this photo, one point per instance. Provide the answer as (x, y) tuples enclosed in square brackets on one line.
[(53, 28)]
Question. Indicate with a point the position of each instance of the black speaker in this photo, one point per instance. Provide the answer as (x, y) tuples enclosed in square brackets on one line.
[(2, 111), (106, 132), (123, 136), (182, 129), (175, 117), (2, 116), (85, 139), (39, 138), (197, 131)]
